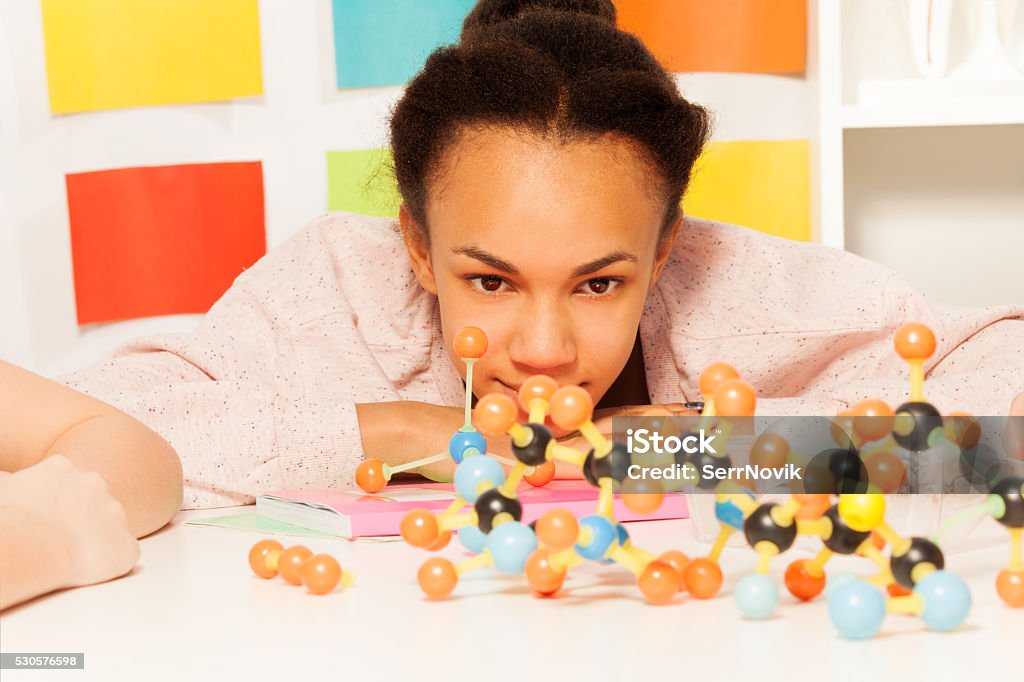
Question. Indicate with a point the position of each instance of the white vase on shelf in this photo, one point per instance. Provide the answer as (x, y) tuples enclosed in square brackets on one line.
[(988, 59), (928, 22)]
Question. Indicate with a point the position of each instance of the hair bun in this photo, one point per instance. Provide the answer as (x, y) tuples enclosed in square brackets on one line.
[(490, 12)]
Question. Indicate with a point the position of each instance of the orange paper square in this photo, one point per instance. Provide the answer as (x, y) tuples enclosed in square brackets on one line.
[(753, 36)]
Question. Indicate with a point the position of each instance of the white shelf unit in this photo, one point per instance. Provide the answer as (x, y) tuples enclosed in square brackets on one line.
[(869, 197)]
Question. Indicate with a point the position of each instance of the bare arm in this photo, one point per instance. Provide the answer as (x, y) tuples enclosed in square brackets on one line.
[(40, 418)]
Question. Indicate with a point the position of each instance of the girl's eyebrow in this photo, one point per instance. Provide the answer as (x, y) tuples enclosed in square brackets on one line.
[(601, 263), (581, 271), (487, 259)]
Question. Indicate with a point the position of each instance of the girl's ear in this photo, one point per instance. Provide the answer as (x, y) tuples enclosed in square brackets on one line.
[(665, 248), (416, 244)]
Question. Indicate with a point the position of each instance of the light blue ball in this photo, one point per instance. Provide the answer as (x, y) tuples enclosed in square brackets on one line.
[(605, 536), (757, 596), (472, 538), (947, 601), (857, 609), (510, 545), (463, 441), (472, 471)]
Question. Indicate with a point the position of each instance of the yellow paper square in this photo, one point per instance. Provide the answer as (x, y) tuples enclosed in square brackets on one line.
[(763, 184), (107, 54)]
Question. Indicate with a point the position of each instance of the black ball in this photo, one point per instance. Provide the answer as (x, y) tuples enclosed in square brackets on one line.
[(491, 503), (836, 471), (914, 425), (699, 460), (535, 452), (614, 465), (681, 456), (844, 540), (1011, 491), (760, 527), (921, 551)]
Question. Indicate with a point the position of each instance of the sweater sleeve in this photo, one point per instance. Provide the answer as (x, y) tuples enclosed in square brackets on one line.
[(262, 395), (978, 365)]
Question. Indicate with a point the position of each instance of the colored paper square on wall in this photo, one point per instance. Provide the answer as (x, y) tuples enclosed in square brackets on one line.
[(763, 184), (752, 36), (162, 240), (362, 182), (386, 42), (108, 54)]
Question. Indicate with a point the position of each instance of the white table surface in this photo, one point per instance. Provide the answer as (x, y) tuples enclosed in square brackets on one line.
[(193, 610)]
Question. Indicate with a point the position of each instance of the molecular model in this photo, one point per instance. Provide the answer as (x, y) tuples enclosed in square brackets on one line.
[(1005, 503), (470, 344), (492, 526), (858, 607), (320, 573)]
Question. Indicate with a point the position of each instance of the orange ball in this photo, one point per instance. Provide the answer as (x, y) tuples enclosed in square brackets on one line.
[(263, 558), (570, 407), (538, 386), (557, 529), (885, 470), (915, 341), (541, 475), (659, 582), (290, 563), (873, 419), (441, 542), (703, 578), (678, 561), (437, 578), (1010, 587), (735, 398), (495, 414), (470, 342), (841, 429), (370, 476), (812, 506), (543, 579), (802, 584), (641, 495), (769, 450), (321, 574), (713, 376), (419, 528)]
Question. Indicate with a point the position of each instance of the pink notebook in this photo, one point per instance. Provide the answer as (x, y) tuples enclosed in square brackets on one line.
[(350, 513)]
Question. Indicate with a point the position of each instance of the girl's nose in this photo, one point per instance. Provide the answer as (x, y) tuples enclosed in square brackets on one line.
[(544, 340)]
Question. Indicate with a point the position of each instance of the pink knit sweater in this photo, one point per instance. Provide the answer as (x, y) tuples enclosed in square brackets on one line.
[(262, 395)]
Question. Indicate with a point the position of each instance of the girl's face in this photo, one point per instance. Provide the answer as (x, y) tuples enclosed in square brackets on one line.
[(549, 248)]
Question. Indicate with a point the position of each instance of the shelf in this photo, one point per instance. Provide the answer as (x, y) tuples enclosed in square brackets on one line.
[(906, 103)]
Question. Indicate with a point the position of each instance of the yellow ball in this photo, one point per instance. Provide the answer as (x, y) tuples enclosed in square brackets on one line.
[(862, 513)]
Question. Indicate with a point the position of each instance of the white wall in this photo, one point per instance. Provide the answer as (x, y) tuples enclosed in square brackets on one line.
[(300, 116)]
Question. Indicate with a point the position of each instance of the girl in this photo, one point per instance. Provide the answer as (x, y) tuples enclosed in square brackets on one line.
[(541, 163)]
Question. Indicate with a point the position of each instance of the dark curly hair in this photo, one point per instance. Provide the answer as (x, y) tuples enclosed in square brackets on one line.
[(557, 68)]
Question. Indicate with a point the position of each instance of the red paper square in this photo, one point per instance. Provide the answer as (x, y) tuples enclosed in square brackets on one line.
[(162, 240)]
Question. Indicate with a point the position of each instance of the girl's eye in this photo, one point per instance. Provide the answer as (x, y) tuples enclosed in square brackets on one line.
[(599, 286), (490, 284)]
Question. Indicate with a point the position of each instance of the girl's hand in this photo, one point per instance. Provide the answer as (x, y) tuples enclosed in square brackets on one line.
[(76, 516)]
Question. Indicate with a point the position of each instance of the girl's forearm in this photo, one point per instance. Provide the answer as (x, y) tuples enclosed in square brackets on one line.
[(141, 469), (401, 431)]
